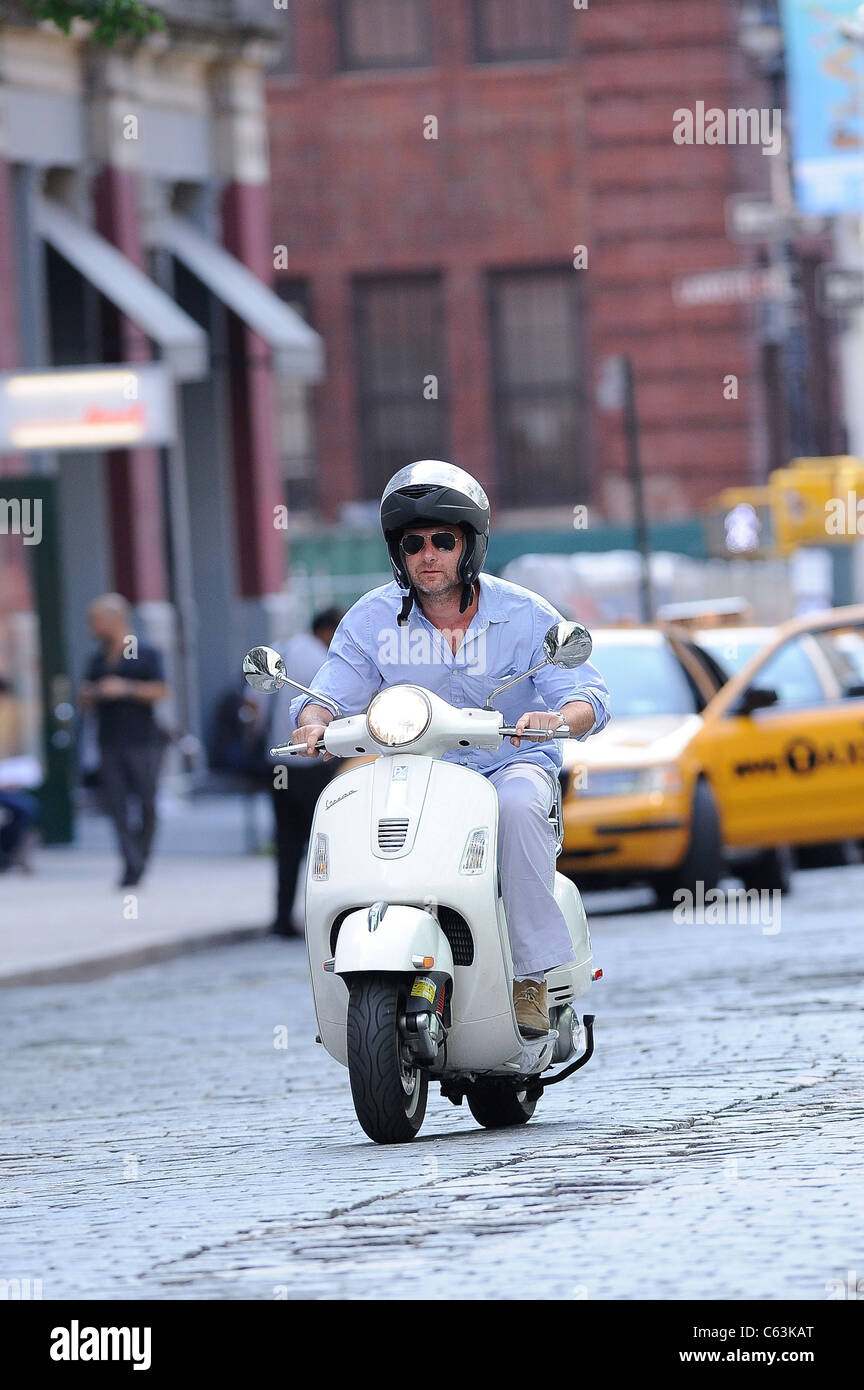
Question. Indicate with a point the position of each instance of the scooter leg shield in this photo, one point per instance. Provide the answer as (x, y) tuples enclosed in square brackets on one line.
[(396, 940)]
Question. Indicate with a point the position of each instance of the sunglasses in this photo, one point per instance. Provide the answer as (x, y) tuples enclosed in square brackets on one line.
[(442, 540)]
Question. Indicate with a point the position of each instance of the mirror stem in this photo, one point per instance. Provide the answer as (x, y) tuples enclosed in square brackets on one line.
[(319, 699), (514, 679)]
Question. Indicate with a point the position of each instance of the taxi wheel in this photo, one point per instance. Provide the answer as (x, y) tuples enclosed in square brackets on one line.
[(703, 862), (831, 855), (769, 870)]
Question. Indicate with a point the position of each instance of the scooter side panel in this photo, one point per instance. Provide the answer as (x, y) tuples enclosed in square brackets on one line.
[(568, 982)]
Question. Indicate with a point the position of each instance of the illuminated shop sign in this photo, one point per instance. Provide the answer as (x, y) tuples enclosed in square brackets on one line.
[(99, 407)]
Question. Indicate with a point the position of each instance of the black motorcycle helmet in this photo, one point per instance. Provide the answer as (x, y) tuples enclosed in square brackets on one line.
[(428, 492)]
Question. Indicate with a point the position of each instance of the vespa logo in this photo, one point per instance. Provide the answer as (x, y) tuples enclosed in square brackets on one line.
[(336, 799)]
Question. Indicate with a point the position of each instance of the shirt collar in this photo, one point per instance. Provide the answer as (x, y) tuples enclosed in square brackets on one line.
[(488, 607)]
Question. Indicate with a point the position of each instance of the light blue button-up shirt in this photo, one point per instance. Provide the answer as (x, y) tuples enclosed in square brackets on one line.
[(370, 651)]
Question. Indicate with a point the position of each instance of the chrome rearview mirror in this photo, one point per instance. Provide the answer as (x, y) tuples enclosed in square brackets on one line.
[(568, 644), (264, 669), (565, 644)]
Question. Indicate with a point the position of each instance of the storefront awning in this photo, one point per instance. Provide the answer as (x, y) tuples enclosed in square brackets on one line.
[(298, 350), (182, 341)]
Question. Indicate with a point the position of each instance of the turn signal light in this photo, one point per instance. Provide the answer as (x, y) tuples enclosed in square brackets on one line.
[(474, 855), (321, 858)]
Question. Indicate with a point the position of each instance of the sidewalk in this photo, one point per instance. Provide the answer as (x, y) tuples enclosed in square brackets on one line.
[(68, 920)]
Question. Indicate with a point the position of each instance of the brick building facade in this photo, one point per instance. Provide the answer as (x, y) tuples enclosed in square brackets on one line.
[(134, 229), (453, 257)]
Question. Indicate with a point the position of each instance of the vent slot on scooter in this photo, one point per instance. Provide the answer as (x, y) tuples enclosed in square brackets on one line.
[(392, 832), (458, 934)]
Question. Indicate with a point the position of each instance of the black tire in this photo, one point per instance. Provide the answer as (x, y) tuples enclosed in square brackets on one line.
[(769, 870), (833, 854), (499, 1104), (703, 862), (389, 1098)]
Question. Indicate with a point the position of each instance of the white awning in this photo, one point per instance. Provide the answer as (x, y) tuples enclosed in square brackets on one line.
[(298, 350), (183, 342)]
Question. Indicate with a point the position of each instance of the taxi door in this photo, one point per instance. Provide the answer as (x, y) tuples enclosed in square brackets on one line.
[(792, 772)]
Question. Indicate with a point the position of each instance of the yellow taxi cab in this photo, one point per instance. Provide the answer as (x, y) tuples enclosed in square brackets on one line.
[(821, 666), (721, 752)]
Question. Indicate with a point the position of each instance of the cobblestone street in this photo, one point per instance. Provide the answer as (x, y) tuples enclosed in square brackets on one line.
[(157, 1141)]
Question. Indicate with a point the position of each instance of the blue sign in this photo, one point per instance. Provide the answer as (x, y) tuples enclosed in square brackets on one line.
[(826, 96)]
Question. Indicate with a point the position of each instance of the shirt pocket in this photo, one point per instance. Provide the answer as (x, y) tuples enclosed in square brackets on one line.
[(479, 686)]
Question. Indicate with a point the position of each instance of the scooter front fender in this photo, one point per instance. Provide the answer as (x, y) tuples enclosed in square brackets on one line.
[(389, 942)]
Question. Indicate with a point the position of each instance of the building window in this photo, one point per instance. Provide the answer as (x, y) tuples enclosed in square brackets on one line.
[(401, 376), (507, 31), (384, 34), (295, 418), (539, 411)]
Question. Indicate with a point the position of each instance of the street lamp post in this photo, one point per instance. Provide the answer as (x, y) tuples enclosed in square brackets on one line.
[(616, 390), (634, 467), (849, 237), (761, 38)]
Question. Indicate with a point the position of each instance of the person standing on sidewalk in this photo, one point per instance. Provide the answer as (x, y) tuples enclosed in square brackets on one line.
[(297, 782), (125, 679)]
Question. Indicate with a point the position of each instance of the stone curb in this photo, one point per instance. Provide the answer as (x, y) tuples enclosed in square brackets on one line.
[(96, 967)]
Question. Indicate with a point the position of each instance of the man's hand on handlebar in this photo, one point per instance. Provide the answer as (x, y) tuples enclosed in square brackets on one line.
[(548, 720), (310, 730), (308, 737)]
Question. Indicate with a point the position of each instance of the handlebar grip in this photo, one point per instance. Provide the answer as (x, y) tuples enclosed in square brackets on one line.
[(287, 749), (563, 732)]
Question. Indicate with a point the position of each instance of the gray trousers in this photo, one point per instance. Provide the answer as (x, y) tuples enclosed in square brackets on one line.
[(539, 937), (129, 773)]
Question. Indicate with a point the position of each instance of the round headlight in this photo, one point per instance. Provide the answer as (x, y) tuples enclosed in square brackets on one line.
[(399, 715)]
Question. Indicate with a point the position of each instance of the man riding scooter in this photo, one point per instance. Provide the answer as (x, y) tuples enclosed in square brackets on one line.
[(454, 631)]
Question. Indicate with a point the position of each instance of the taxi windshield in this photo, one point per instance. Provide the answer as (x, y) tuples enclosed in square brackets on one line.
[(643, 678)]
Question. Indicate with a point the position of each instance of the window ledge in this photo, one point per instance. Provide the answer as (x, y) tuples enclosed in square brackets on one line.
[(353, 74), (498, 66)]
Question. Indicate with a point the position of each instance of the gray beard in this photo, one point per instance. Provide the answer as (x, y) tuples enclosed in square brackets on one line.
[(439, 593)]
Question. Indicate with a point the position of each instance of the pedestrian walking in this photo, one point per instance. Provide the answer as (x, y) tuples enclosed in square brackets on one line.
[(125, 680), (297, 782)]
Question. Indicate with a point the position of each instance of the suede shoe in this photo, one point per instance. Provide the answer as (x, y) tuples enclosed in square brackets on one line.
[(532, 1014)]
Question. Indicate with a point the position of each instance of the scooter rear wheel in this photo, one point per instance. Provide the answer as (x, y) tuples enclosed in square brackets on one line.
[(389, 1094), (499, 1104)]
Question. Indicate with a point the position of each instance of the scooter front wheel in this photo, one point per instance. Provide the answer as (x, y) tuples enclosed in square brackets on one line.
[(389, 1092)]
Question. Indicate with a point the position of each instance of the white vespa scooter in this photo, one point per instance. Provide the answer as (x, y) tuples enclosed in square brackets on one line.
[(405, 926)]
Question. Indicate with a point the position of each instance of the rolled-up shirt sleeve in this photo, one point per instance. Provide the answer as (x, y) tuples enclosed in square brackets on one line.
[(349, 676), (558, 686)]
